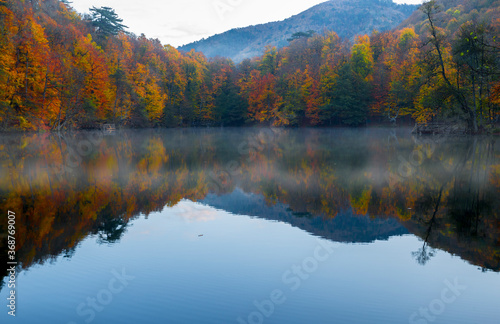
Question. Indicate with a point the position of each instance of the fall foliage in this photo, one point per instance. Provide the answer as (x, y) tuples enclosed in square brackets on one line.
[(61, 70)]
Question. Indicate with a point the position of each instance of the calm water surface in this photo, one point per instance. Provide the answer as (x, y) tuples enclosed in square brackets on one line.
[(253, 225)]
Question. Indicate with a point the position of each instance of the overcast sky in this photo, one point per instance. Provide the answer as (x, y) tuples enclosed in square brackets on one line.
[(179, 22)]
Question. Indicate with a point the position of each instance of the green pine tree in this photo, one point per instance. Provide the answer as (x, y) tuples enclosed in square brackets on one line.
[(106, 22)]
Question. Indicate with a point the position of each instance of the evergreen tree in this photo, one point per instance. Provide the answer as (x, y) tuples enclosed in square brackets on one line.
[(301, 34), (350, 97), (106, 22)]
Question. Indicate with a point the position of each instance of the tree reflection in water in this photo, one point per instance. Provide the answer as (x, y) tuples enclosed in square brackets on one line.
[(449, 199)]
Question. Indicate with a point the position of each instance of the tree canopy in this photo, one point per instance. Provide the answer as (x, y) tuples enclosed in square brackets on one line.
[(61, 71)]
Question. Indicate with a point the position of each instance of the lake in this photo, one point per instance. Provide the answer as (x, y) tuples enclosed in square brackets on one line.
[(251, 225)]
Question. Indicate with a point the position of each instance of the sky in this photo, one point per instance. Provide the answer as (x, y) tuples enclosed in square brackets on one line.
[(179, 22)]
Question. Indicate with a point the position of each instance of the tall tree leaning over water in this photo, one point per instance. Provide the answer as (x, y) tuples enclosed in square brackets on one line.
[(472, 63)]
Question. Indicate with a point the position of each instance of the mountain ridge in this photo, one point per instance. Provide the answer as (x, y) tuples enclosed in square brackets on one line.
[(347, 18), (346, 227)]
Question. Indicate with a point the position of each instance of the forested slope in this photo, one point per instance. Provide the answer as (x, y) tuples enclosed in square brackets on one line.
[(59, 70)]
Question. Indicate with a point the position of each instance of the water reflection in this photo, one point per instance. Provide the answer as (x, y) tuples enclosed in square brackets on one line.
[(345, 185)]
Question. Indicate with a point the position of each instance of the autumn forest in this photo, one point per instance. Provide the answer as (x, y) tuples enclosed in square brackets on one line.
[(61, 70)]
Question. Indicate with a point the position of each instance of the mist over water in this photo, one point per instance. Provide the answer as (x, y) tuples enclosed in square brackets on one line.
[(252, 225)]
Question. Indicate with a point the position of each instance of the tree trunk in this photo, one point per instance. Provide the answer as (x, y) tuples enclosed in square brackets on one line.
[(428, 9)]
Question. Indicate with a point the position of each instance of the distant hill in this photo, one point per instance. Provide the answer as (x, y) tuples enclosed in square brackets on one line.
[(347, 18), (453, 13)]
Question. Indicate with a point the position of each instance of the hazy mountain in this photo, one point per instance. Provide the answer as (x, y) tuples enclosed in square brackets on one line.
[(347, 18)]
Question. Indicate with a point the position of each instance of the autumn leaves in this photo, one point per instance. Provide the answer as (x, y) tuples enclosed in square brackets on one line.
[(59, 70)]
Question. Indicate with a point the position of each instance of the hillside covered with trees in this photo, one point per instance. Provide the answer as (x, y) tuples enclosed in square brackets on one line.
[(348, 18), (60, 70)]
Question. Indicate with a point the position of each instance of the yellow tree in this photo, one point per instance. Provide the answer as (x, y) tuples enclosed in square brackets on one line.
[(311, 97), (291, 109), (7, 62), (174, 81), (362, 57), (149, 92), (332, 57), (28, 76), (404, 75), (119, 61), (97, 94)]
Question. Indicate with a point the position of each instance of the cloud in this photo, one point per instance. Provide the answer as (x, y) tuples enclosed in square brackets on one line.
[(178, 30), (194, 212)]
